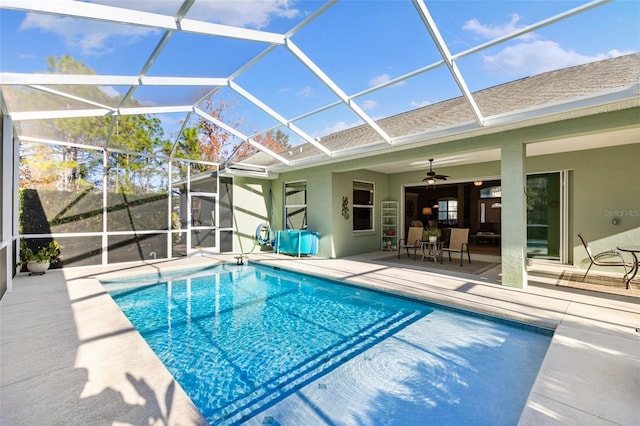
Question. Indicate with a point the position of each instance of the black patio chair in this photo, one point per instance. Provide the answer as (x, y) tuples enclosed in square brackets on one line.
[(605, 258)]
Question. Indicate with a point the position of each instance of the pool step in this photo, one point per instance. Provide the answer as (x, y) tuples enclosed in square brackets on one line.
[(311, 370)]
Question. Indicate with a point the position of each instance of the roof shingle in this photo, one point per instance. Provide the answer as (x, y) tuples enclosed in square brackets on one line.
[(538, 90)]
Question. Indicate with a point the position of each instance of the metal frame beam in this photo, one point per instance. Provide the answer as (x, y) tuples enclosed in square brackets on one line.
[(311, 66), (25, 79), (428, 21), (240, 135), (179, 23), (236, 87), (118, 15)]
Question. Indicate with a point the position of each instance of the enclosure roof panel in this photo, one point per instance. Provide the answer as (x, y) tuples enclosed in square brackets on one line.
[(287, 82)]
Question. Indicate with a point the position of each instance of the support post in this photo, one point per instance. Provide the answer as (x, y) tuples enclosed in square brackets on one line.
[(514, 215)]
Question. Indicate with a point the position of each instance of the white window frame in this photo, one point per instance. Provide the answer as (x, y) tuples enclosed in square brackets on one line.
[(447, 211), (286, 206), (364, 206)]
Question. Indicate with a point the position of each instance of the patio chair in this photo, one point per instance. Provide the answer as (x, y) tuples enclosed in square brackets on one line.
[(458, 243), (605, 258), (413, 240)]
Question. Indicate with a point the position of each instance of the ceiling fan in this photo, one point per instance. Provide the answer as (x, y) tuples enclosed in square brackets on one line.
[(432, 176)]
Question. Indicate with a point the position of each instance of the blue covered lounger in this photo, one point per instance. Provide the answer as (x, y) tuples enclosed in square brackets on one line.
[(296, 242)]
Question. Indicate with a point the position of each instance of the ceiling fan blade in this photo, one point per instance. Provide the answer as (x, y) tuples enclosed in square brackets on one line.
[(431, 175)]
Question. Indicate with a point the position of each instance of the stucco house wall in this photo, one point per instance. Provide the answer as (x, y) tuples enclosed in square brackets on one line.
[(251, 208), (324, 208), (603, 186), (347, 242)]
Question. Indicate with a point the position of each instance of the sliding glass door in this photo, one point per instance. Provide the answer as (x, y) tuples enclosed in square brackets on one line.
[(546, 216)]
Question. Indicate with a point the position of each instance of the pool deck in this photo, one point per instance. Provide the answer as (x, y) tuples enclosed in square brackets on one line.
[(68, 355)]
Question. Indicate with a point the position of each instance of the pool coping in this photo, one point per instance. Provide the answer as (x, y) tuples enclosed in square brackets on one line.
[(587, 376)]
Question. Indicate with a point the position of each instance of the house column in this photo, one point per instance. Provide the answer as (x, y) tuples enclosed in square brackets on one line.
[(514, 215)]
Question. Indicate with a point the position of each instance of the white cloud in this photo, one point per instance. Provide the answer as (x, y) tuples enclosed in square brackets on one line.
[(254, 14), (419, 104), (337, 127), (488, 32), (95, 38), (306, 92), (369, 104), (245, 13), (109, 91), (88, 37), (378, 80), (381, 79), (538, 56), (530, 54)]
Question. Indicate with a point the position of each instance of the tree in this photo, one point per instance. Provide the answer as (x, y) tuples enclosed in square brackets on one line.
[(70, 168), (136, 173), (277, 142), (209, 142)]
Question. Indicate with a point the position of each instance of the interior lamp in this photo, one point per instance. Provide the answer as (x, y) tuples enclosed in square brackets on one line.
[(477, 183), (431, 181), (426, 211)]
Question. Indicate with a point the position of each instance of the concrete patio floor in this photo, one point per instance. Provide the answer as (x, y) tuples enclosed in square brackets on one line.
[(69, 356)]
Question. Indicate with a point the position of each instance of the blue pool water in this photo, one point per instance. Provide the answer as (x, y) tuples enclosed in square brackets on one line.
[(256, 345)]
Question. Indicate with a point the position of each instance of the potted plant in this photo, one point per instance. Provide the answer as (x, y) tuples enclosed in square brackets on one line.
[(37, 263), (432, 234)]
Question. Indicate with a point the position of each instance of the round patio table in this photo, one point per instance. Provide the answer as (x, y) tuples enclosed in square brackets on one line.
[(431, 249), (634, 250)]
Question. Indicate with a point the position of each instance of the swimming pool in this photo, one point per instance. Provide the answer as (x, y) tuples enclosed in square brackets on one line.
[(256, 345)]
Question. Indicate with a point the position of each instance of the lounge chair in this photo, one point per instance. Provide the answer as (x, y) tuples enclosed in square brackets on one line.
[(605, 258), (458, 243), (413, 240)]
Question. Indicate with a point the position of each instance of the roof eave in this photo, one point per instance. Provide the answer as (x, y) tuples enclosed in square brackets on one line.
[(606, 101)]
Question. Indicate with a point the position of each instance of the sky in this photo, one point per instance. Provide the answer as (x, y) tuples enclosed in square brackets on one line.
[(358, 44)]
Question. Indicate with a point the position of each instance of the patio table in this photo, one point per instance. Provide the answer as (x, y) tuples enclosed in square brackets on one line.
[(431, 249), (634, 250)]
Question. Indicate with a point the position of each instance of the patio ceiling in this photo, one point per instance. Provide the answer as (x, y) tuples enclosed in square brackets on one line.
[(236, 62)]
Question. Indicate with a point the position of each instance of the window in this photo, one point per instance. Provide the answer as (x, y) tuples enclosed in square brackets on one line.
[(362, 206), (491, 204), (491, 192), (448, 212), (295, 205)]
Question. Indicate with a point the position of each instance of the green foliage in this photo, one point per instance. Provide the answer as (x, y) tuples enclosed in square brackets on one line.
[(432, 232), (72, 168), (20, 211), (48, 253), (47, 211)]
